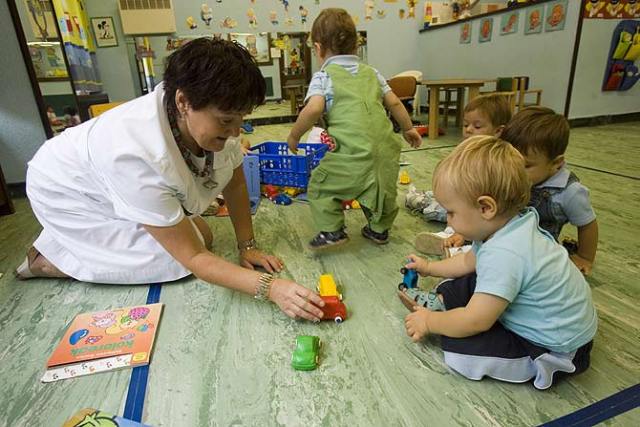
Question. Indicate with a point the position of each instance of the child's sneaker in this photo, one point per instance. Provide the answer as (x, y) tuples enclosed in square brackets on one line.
[(435, 212), (328, 238), (379, 238), (417, 200)]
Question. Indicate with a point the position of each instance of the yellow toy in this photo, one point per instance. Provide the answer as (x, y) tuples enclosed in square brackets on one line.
[(404, 178), (327, 287)]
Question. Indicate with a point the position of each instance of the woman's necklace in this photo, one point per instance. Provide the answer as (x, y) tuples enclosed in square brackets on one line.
[(207, 172)]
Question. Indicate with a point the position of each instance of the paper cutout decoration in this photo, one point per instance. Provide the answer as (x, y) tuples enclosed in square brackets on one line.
[(509, 23), (401, 13), (303, 14), (465, 33), (273, 17), (285, 3), (486, 28), (369, 6), (533, 20), (594, 9), (206, 14), (228, 22), (411, 4), (632, 9), (253, 19), (381, 13), (556, 15)]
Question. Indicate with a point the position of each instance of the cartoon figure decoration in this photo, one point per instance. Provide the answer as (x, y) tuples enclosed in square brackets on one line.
[(92, 339), (465, 9), (614, 9), (288, 21), (273, 17), (380, 13), (303, 14), (228, 22), (252, 45), (401, 13), (411, 4), (369, 6), (428, 14), (593, 8), (534, 19), (77, 336), (103, 320), (455, 10), (486, 27), (206, 14), (509, 23), (556, 14), (285, 3), (632, 9), (191, 23), (253, 19)]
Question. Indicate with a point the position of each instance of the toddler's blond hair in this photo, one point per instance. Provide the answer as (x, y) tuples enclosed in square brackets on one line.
[(486, 166)]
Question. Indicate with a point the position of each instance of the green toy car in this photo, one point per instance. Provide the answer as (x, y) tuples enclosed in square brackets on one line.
[(306, 355)]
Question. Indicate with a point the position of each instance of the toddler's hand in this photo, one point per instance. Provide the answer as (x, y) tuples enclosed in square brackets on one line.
[(455, 241), (412, 137), (293, 143), (416, 323), (418, 264), (583, 265)]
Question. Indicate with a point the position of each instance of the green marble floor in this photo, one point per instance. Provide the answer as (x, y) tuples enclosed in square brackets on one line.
[(223, 359)]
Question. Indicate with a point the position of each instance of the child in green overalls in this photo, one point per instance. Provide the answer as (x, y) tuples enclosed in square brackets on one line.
[(364, 164)]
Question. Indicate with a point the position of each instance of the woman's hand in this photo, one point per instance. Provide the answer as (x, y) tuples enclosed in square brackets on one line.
[(418, 264), (295, 300), (253, 257)]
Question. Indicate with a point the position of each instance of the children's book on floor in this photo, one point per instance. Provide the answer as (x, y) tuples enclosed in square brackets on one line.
[(104, 341), (89, 417)]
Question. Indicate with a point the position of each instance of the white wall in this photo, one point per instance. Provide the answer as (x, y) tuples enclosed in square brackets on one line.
[(392, 42), (544, 57), (21, 131), (587, 98)]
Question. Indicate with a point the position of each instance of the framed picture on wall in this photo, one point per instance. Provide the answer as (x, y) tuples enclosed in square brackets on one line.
[(465, 33), (104, 31), (556, 15), (509, 23), (534, 20), (258, 45), (486, 28)]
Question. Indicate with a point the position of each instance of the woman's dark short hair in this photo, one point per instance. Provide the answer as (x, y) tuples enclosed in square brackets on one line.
[(213, 72)]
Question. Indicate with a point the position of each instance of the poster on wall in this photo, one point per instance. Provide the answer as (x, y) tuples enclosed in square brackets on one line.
[(556, 15), (509, 23), (465, 33), (534, 19), (104, 30), (486, 28), (611, 9)]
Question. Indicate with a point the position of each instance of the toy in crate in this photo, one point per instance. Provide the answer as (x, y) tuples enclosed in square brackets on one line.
[(251, 168), (278, 166)]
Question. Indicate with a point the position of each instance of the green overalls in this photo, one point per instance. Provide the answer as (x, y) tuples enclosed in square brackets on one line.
[(364, 165)]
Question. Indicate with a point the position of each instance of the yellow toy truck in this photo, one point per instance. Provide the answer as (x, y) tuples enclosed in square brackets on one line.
[(327, 287)]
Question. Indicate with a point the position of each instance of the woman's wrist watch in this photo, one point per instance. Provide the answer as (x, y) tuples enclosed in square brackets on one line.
[(264, 286), (245, 245)]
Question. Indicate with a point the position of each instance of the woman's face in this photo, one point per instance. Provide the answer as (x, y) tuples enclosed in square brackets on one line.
[(209, 126)]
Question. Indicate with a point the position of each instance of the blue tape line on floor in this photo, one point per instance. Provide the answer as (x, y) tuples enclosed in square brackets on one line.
[(604, 409), (138, 382)]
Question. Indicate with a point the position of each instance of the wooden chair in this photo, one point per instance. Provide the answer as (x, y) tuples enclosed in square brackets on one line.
[(404, 87), (523, 90), (416, 98)]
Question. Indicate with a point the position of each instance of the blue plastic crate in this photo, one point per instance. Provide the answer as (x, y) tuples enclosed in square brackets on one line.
[(251, 168), (278, 166)]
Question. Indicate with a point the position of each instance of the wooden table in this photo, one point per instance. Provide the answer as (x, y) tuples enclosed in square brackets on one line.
[(434, 87), (294, 91)]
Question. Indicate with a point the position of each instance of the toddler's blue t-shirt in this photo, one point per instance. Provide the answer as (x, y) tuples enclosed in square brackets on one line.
[(549, 300)]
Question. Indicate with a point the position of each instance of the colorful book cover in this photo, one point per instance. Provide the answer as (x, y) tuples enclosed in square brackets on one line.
[(90, 417), (105, 340)]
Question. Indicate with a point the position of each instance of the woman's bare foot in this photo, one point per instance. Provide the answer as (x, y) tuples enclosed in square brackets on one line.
[(36, 265)]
